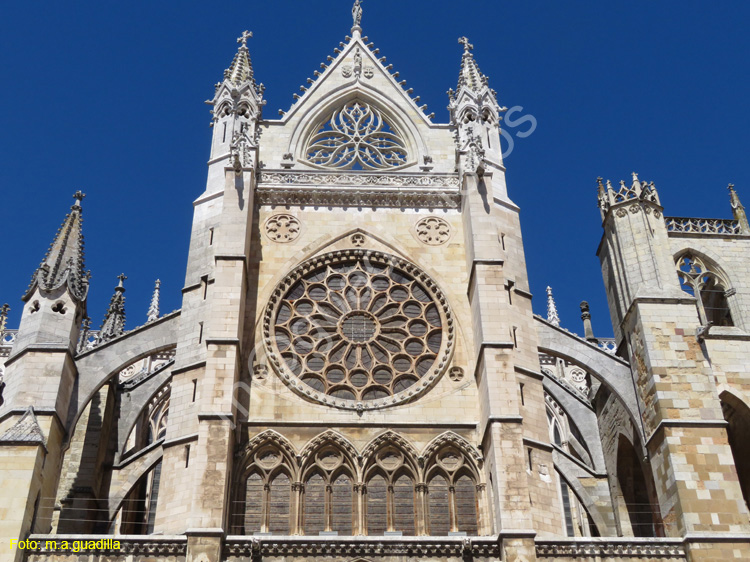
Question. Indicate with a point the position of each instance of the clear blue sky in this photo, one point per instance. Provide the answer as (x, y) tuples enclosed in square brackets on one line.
[(107, 97)]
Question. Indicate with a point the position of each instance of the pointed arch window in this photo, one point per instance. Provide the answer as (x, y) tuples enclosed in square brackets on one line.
[(279, 508), (390, 494), (357, 136), (452, 499), (708, 286), (439, 506)]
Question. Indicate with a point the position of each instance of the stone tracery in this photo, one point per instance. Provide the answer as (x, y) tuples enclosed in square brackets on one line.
[(357, 136), (360, 326), (330, 487)]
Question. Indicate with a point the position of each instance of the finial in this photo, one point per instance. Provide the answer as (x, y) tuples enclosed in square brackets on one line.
[(465, 42), (357, 14), (78, 196), (4, 317), (588, 330), (244, 37), (738, 210), (122, 278), (153, 309), (552, 316)]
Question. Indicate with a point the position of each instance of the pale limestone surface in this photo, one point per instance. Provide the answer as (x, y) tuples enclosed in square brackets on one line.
[(155, 432)]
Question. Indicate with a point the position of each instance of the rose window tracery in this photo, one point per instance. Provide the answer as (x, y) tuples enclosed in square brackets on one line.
[(359, 329), (357, 136)]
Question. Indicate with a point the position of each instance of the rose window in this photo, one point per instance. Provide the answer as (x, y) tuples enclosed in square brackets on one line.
[(359, 329)]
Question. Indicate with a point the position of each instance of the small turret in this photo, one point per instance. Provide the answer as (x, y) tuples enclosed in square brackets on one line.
[(114, 320), (475, 113), (64, 261), (56, 297), (238, 103)]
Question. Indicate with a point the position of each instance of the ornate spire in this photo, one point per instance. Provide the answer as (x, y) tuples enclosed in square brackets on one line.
[(738, 210), (153, 309), (114, 320), (241, 69), (470, 76), (64, 259), (552, 316)]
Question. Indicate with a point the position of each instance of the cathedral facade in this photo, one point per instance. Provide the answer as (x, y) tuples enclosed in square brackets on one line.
[(356, 373)]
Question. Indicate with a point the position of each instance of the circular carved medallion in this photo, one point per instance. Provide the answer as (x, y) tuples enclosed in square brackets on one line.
[(358, 329), (282, 228), (433, 231)]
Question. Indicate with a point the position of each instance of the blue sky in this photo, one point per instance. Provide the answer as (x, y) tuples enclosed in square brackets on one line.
[(108, 98)]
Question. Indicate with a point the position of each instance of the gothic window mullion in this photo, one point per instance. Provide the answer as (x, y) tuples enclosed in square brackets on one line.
[(298, 497), (328, 503), (420, 508), (266, 506), (452, 507), (391, 508)]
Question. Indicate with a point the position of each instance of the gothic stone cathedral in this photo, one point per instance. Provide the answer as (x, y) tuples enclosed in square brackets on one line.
[(356, 374)]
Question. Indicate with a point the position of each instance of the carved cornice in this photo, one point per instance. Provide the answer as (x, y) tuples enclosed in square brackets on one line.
[(356, 180), (361, 546), (594, 548), (105, 544), (326, 197)]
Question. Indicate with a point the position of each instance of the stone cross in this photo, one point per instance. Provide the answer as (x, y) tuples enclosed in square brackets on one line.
[(244, 37), (78, 196), (465, 42), (122, 278)]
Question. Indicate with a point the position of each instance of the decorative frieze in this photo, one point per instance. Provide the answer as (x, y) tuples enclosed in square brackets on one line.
[(359, 198), (361, 546), (684, 225), (629, 549), (356, 179)]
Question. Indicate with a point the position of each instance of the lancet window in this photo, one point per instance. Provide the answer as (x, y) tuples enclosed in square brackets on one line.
[(390, 492), (452, 494), (708, 286), (152, 423)]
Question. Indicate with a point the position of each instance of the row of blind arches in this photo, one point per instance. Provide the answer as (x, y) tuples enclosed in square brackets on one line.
[(388, 499)]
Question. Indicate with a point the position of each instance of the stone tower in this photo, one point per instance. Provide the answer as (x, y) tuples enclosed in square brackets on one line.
[(356, 374)]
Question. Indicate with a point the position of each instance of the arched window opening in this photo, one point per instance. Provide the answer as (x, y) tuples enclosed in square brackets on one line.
[(439, 506), (708, 286), (466, 505), (635, 506), (342, 505), (137, 514), (452, 492), (567, 510), (254, 499), (152, 423), (279, 512), (315, 505), (737, 415), (403, 505), (377, 507)]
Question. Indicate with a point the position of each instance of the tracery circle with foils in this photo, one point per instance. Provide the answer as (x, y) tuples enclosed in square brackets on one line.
[(357, 136), (358, 329)]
